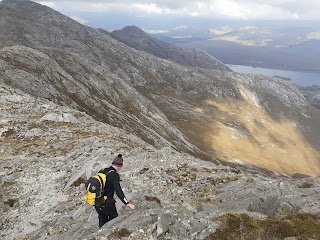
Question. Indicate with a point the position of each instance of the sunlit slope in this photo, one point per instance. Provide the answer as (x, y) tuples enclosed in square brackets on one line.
[(246, 133)]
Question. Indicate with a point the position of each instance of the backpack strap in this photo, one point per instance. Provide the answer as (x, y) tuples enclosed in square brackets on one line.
[(88, 187), (107, 177), (101, 181), (108, 173), (100, 178)]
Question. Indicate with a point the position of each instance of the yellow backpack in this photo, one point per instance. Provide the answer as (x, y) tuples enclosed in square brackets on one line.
[(94, 190)]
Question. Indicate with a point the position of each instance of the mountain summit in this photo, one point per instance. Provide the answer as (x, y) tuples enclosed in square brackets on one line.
[(138, 39)]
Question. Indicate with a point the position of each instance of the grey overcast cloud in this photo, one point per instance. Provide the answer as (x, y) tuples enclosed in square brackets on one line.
[(157, 14), (236, 9)]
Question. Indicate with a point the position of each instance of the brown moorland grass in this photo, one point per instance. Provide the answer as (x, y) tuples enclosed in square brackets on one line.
[(276, 145)]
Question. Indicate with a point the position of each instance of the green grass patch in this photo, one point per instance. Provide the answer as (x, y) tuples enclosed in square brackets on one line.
[(305, 185), (120, 233), (8, 133), (148, 198), (242, 226), (78, 182)]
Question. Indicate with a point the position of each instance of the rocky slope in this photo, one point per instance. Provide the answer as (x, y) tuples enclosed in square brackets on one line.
[(210, 113), (70, 80), (47, 151), (138, 39)]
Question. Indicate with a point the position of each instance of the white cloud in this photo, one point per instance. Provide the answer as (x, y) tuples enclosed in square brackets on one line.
[(151, 8), (244, 10), (156, 31), (82, 21), (50, 4)]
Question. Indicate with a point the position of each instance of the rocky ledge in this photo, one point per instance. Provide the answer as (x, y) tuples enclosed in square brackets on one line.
[(47, 152)]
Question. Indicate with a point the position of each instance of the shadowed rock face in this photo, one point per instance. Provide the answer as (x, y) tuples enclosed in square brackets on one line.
[(210, 113), (138, 39)]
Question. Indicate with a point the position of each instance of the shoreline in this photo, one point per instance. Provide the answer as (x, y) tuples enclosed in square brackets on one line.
[(273, 68)]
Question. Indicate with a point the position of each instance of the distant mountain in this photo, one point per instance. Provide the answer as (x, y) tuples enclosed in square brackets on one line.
[(247, 36), (242, 34), (213, 114), (263, 45), (183, 32), (138, 39), (257, 36), (312, 46)]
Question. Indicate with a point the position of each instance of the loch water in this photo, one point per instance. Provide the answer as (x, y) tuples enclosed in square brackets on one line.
[(303, 79)]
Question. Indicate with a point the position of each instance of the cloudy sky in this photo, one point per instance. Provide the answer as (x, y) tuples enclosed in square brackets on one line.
[(83, 10)]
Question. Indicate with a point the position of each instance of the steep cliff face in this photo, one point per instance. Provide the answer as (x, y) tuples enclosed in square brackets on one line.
[(138, 39), (211, 113)]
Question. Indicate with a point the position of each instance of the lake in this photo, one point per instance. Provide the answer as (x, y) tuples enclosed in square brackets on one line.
[(303, 79)]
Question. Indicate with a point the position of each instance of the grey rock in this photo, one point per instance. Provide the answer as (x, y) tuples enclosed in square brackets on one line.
[(212, 227), (197, 226), (179, 229), (268, 206), (207, 207), (34, 132), (65, 117), (162, 225)]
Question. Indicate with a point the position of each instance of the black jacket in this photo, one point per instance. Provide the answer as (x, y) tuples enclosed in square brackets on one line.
[(113, 185)]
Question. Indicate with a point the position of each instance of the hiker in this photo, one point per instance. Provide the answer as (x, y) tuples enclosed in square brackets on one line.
[(107, 211)]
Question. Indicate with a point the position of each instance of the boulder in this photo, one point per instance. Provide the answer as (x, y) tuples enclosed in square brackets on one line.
[(59, 117)]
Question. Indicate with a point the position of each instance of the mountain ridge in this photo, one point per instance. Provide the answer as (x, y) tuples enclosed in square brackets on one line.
[(108, 99), (138, 39)]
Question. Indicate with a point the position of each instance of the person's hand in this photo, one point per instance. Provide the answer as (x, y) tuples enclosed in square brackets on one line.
[(130, 205)]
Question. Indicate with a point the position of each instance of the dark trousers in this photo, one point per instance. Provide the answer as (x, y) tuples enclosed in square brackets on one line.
[(106, 212)]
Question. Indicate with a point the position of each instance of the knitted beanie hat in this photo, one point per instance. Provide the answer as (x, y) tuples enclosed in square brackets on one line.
[(118, 161)]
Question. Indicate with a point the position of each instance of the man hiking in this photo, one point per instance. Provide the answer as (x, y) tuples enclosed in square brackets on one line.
[(107, 211)]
